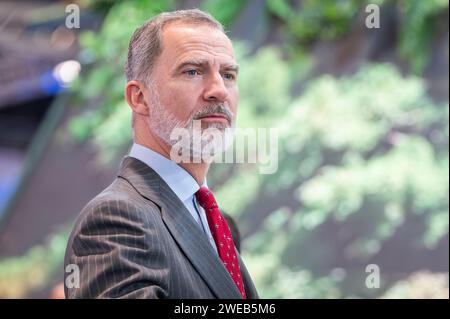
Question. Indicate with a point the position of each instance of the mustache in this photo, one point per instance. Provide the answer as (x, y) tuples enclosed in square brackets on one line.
[(220, 108)]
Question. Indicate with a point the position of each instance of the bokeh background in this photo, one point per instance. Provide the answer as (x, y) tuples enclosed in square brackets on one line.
[(363, 121)]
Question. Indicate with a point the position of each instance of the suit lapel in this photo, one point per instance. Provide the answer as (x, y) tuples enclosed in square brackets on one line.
[(182, 226)]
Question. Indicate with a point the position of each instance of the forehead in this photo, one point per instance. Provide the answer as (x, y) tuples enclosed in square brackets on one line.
[(181, 40)]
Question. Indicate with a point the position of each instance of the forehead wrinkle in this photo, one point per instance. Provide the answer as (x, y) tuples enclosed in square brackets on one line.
[(200, 56), (197, 38), (196, 44), (197, 33), (203, 47)]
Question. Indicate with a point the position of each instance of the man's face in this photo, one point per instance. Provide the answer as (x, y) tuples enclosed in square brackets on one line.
[(194, 78)]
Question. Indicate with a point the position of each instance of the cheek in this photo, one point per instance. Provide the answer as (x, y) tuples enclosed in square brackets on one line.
[(234, 98), (181, 100)]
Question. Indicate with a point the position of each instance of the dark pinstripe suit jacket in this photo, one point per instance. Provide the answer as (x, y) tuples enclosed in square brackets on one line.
[(136, 239)]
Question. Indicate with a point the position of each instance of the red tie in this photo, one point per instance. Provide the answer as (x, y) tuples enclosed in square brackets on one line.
[(222, 236)]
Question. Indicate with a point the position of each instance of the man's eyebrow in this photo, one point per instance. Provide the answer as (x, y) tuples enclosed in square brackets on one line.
[(204, 63), (196, 62), (231, 67)]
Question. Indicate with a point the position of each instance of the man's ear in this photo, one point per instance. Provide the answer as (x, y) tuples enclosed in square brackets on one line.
[(136, 94)]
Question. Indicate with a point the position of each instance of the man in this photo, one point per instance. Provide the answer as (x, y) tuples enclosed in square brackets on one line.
[(156, 231)]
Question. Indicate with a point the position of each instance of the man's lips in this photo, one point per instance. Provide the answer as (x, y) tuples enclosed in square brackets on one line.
[(215, 117)]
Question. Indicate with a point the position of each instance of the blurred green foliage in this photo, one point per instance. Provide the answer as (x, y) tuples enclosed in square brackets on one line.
[(420, 285), (312, 20), (357, 159), (36, 269), (315, 20), (363, 159), (418, 29)]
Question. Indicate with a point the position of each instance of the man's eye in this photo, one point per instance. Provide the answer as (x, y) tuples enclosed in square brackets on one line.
[(191, 72), (229, 76)]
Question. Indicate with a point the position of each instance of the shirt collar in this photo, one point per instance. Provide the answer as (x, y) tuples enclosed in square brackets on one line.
[(178, 179)]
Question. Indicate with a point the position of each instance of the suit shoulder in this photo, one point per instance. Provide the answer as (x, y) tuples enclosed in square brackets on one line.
[(119, 198)]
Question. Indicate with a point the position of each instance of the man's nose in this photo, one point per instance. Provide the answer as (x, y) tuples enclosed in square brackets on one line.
[(215, 89)]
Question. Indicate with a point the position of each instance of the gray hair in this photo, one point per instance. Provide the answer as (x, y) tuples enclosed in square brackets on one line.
[(146, 42)]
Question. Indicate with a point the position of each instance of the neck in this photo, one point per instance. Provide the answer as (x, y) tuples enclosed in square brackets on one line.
[(197, 170)]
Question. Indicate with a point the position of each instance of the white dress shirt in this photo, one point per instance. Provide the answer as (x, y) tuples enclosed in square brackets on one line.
[(179, 180)]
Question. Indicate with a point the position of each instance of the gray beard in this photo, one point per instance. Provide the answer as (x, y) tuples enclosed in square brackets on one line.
[(162, 123)]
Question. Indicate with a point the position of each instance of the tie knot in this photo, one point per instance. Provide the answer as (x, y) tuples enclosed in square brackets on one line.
[(206, 198)]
